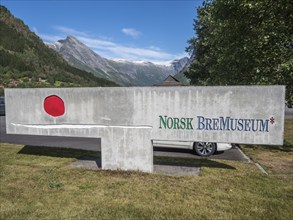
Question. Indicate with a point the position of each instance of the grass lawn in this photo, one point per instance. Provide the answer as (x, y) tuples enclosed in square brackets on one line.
[(39, 183), (277, 160)]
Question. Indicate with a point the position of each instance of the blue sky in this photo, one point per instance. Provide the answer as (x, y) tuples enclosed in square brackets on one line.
[(155, 31)]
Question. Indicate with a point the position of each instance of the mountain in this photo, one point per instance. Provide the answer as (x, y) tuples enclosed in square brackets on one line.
[(27, 62), (184, 67), (123, 72), (178, 65)]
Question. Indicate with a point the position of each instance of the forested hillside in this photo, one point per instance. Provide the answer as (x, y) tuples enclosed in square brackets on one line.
[(25, 61)]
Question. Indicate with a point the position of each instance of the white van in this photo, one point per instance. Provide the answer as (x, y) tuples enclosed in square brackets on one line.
[(203, 149)]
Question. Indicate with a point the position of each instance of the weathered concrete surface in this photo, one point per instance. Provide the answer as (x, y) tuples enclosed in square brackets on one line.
[(94, 144), (127, 149), (177, 170), (94, 163), (127, 119), (88, 109)]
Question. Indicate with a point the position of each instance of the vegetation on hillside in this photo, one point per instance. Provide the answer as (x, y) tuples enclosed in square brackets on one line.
[(25, 61), (243, 43)]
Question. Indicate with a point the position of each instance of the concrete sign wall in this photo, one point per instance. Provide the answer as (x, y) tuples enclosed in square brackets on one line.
[(132, 117)]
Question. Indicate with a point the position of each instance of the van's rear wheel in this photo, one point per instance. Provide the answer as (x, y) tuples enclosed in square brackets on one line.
[(204, 149)]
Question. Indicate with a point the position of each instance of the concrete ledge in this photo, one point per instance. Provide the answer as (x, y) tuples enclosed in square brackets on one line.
[(177, 170), (94, 163)]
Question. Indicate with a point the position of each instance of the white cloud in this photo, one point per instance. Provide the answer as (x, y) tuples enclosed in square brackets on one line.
[(35, 30), (110, 49), (70, 31), (51, 38), (119, 51), (155, 48), (131, 32), (96, 43)]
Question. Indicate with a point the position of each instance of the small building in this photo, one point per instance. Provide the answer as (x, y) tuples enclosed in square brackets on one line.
[(170, 81)]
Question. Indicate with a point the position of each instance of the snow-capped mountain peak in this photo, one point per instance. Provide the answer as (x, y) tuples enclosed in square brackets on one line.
[(121, 71)]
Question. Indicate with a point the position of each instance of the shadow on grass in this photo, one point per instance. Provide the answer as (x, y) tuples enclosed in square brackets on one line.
[(87, 158), (181, 150), (287, 147), (58, 152), (170, 149), (190, 162)]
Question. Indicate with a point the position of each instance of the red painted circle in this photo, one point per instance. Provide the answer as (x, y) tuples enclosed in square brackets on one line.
[(54, 106)]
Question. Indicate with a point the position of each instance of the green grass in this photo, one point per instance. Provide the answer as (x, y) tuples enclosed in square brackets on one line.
[(277, 160), (39, 183)]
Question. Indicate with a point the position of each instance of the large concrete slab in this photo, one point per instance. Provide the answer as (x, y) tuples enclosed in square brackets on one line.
[(94, 144), (128, 119), (243, 114)]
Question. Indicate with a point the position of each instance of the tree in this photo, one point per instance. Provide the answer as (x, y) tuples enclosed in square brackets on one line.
[(243, 42)]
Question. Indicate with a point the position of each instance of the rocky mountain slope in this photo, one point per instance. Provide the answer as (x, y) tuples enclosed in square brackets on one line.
[(181, 74), (120, 71), (27, 62)]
